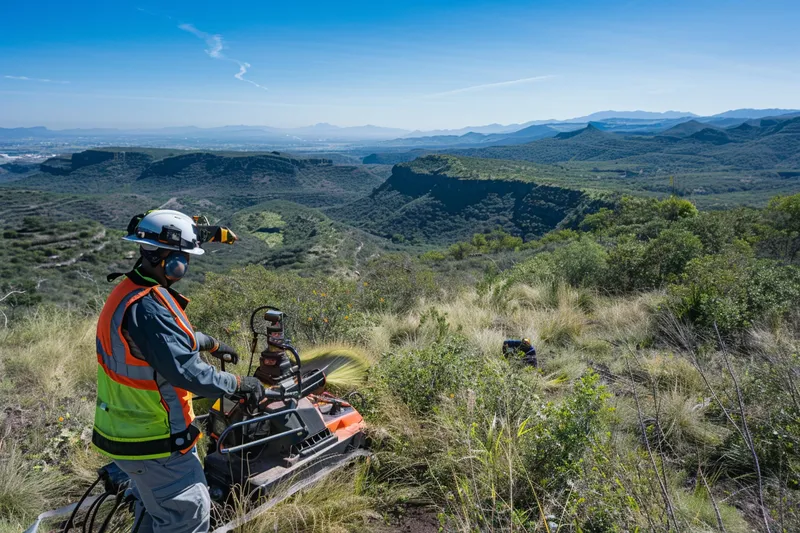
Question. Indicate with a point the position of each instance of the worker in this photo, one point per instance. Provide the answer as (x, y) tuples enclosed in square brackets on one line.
[(513, 347), (149, 367)]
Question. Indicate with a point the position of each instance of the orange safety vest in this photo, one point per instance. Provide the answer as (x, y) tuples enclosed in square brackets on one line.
[(139, 415)]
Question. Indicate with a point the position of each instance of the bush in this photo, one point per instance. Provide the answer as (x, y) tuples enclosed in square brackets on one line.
[(581, 263), (420, 377), (319, 309), (674, 208), (396, 282), (734, 291), (497, 466), (716, 230), (627, 267), (666, 256)]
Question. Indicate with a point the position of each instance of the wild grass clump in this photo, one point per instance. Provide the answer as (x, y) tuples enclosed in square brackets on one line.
[(503, 469), (51, 352), (684, 423), (339, 503), (24, 492), (560, 326)]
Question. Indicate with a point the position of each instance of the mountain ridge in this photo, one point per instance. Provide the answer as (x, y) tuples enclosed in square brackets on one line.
[(369, 131)]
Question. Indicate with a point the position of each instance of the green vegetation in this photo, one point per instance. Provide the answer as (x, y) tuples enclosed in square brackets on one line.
[(667, 335), (477, 440), (441, 199), (746, 164), (228, 178)]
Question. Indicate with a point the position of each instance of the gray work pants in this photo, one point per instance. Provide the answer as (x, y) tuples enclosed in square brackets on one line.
[(171, 492)]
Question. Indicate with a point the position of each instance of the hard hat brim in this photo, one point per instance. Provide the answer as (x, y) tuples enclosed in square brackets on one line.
[(191, 251)]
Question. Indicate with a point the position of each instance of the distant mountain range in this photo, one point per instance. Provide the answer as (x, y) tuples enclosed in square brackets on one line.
[(641, 115), (487, 135), (757, 144)]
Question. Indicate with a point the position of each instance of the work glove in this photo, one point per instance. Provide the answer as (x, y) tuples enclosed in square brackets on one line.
[(252, 386), (223, 352)]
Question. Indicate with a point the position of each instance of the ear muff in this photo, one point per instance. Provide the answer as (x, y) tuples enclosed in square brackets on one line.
[(175, 266)]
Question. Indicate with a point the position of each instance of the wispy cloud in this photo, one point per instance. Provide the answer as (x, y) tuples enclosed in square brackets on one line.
[(489, 86), (40, 80), (215, 46)]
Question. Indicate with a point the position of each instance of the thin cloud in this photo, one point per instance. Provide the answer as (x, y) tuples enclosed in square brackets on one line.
[(40, 80), (215, 46), (489, 86)]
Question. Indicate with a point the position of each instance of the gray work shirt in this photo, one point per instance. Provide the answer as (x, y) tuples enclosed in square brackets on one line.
[(154, 336)]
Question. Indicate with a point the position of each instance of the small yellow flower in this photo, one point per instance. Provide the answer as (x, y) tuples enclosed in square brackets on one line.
[(366, 284), (323, 295), (382, 300), (347, 317), (325, 320), (310, 319), (60, 419)]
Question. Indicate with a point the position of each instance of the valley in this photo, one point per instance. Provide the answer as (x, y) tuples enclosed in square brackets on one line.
[(649, 267)]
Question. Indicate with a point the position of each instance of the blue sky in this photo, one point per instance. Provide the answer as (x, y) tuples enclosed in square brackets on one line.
[(410, 64)]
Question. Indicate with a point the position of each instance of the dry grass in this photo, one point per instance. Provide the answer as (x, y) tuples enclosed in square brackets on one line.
[(571, 328), (51, 354), (684, 423), (673, 372), (24, 492), (628, 320), (337, 504)]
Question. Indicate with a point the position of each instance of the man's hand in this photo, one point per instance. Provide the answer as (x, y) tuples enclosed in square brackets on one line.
[(250, 385), (223, 352)]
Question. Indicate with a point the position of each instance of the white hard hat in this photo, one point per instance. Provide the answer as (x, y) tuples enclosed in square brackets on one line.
[(167, 229)]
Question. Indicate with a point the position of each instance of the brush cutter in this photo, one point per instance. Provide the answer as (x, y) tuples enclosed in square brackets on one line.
[(258, 454)]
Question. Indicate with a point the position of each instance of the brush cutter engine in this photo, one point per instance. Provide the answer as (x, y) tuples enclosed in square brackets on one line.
[(259, 453)]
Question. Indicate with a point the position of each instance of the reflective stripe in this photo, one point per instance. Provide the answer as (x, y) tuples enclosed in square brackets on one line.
[(146, 448), (141, 373), (177, 312), (139, 414), (119, 347)]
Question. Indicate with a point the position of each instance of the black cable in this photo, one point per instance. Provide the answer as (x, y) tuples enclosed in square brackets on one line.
[(92, 514), (138, 520), (72, 516), (119, 504)]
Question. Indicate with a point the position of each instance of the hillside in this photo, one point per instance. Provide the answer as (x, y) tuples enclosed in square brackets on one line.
[(314, 181), (659, 331), (439, 199), (769, 143)]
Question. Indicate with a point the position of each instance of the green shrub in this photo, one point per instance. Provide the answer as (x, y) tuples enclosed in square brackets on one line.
[(499, 451), (715, 229), (433, 256), (734, 291), (666, 256), (581, 263), (319, 309), (627, 266), (396, 282), (674, 208), (420, 376)]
